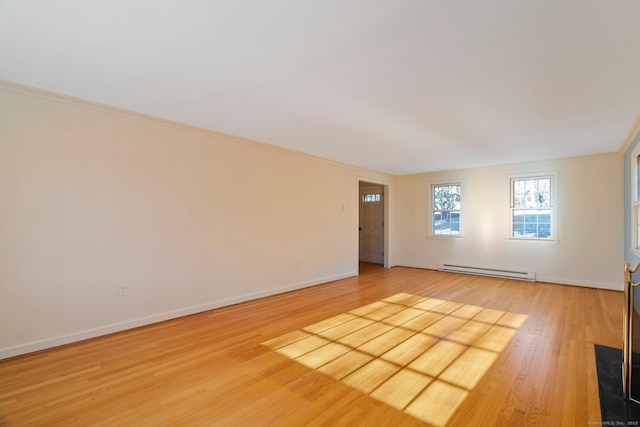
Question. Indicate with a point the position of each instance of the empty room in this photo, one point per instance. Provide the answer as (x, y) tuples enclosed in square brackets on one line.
[(279, 213)]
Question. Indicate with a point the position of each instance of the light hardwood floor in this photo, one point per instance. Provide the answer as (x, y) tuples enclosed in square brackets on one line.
[(224, 367)]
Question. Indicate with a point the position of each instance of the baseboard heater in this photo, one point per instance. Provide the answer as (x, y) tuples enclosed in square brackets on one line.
[(492, 272)]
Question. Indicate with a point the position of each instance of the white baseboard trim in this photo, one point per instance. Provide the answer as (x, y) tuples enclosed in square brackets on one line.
[(583, 283), (47, 343), (423, 266)]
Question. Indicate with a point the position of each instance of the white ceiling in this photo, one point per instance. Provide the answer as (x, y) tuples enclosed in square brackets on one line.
[(400, 86)]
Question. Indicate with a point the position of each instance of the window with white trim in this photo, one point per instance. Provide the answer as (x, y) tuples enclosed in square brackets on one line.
[(533, 207), (446, 203), (635, 200)]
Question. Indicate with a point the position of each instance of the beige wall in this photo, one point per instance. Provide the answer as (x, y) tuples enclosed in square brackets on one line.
[(93, 198), (589, 250), (189, 220)]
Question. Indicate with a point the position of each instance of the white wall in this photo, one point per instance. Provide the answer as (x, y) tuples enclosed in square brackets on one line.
[(589, 251), (92, 198)]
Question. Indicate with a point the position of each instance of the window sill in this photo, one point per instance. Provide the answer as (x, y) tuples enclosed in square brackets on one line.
[(531, 239), (445, 236)]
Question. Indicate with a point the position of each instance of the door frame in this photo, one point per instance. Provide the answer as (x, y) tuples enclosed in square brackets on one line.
[(386, 228)]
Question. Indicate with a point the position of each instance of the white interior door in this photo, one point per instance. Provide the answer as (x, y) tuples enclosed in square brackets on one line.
[(372, 224)]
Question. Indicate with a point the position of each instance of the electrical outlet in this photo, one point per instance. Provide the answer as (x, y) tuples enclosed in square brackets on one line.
[(123, 290)]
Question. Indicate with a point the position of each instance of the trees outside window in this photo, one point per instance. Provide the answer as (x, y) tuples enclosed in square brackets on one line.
[(446, 204), (531, 207)]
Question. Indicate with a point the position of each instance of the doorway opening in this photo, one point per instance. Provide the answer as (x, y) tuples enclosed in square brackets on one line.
[(371, 223)]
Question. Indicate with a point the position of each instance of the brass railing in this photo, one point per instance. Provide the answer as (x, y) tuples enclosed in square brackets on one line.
[(627, 343)]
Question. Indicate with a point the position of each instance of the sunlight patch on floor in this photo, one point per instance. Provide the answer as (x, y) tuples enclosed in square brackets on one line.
[(419, 355)]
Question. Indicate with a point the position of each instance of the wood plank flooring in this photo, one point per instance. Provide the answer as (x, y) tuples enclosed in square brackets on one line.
[(213, 368)]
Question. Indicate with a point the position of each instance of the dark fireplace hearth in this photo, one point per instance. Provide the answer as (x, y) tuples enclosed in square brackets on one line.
[(631, 329)]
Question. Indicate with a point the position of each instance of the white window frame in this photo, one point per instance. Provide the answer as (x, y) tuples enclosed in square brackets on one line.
[(635, 200), (553, 175), (430, 210)]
